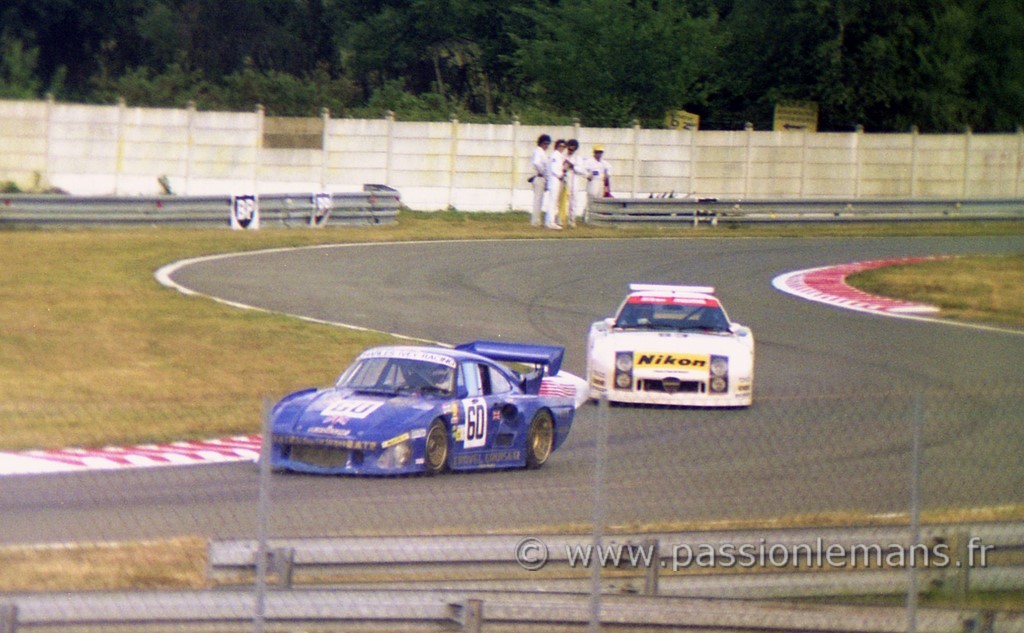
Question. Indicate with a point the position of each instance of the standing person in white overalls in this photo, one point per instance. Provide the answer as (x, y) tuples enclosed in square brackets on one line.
[(576, 177), (599, 175), (556, 172), (539, 179)]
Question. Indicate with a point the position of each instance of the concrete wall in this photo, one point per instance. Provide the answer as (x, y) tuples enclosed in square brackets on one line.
[(120, 150)]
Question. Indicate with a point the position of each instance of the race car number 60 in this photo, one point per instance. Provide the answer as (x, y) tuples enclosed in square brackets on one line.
[(476, 424)]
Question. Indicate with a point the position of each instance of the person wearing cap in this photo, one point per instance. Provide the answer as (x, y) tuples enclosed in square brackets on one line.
[(599, 175), (539, 179)]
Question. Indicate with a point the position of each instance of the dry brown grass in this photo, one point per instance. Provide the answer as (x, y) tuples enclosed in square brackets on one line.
[(983, 289), (178, 563)]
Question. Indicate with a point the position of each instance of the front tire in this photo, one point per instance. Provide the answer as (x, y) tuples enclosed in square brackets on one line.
[(540, 439), (435, 448)]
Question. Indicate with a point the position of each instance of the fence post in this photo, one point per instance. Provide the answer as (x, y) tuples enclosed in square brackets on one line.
[(473, 615), (453, 154), (325, 157), (190, 142), (257, 158), (748, 153), (47, 179), (651, 579), (914, 134), (956, 580), (262, 517), (119, 142), (858, 161), (600, 457), (804, 135), (692, 189), (8, 618), (635, 176), (516, 129), (967, 162), (916, 423), (1019, 175), (281, 563), (389, 118)]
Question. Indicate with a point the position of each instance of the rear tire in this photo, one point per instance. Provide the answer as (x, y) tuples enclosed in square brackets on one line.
[(540, 439), (436, 448)]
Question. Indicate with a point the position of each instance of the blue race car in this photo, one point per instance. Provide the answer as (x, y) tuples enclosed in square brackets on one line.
[(406, 409)]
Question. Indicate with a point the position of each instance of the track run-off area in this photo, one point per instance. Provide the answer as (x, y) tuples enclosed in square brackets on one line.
[(835, 391)]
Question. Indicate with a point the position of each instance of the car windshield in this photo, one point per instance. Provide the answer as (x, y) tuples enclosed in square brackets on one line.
[(388, 375), (672, 317)]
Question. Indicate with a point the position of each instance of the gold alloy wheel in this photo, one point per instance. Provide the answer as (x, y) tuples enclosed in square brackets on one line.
[(436, 451), (540, 439)]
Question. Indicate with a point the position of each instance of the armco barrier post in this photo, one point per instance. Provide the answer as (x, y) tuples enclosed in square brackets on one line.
[(956, 582), (651, 579), (8, 618), (472, 615), (280, 563)]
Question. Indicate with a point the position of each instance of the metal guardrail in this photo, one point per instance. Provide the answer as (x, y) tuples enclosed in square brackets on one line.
[(472, 611), (667, 210), (474, 583), (376, 204), (956, 559)]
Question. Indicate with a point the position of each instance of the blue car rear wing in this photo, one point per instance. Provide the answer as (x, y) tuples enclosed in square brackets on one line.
[(549, 356)]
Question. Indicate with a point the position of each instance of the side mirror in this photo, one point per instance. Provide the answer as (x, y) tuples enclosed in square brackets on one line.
[(739, 330)]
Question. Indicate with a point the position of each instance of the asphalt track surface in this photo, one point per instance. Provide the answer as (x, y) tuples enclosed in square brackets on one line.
[(837, 397)]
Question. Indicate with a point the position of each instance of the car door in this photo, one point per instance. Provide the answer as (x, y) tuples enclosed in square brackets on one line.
[(484, 437)]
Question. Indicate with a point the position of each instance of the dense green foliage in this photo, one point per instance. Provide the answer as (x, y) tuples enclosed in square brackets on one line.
[(942, 65)]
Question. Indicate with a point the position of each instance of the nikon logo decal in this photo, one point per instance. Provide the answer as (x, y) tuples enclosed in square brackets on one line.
[(644, 360)]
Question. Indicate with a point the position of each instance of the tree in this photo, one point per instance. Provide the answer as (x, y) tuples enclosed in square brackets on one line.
[(997, 83), (17, 69), (612, 61)]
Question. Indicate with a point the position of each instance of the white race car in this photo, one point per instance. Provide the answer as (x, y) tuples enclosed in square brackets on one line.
[(671, 345)]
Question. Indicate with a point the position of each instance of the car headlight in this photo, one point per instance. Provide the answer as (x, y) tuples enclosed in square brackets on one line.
[(397, 456), (719, 366), (624, 370), (719, 379)]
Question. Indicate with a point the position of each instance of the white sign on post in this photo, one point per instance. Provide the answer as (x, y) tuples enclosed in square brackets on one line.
[(245, 212)]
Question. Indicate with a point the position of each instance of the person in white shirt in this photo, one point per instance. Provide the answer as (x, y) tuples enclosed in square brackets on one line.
[(556, 172), (576, 177), (599, 175), (539, 162)]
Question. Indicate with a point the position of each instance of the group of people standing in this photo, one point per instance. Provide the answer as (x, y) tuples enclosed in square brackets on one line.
[(564, 181)]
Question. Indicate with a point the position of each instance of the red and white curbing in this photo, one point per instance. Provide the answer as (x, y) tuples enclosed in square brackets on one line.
[(234, 449), (828, 285)]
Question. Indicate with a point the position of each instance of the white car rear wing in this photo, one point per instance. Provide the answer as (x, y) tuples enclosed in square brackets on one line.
[(704, 290)]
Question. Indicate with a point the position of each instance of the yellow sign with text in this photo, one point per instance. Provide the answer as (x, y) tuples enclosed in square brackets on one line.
[(796, 116), (681, 120), (664, 360)]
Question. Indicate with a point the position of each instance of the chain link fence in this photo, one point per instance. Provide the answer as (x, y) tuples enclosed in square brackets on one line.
[(894, 510)]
